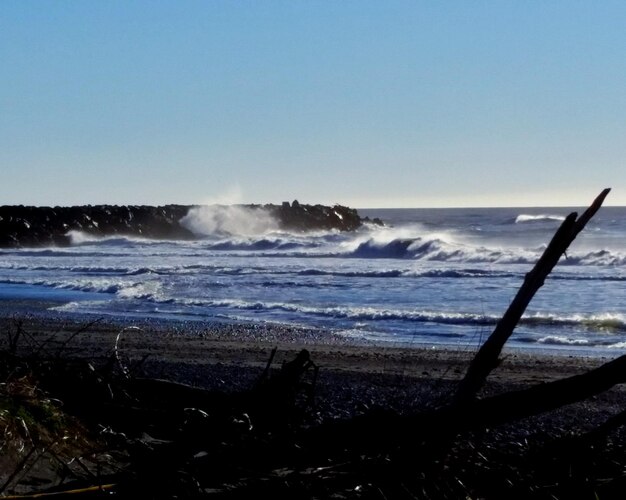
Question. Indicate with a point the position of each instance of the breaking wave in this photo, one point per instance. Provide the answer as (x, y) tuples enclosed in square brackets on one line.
[(442, 251), (391, 245), (439, 250), (81, 238), (399, 273), (560, 340), (262, 244), (601, 323), (149, 290), (209, 220), (353, 313)]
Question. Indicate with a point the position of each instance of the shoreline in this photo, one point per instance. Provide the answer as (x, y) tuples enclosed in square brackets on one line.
[(353, 379), (45, 309), (196, 342)]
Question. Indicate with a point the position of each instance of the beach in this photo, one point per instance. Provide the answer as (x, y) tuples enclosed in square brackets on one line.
[(353, 374), (356, 379)]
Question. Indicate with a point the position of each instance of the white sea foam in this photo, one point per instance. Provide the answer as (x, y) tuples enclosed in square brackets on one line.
[(599, 323), (617, 345), (83, 238), (80, 237), (143, 290), (353, 313), (559, 340), (104, 285), (538, 218)]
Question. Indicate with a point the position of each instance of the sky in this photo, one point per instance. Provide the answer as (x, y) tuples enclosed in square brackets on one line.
[(363, 103)]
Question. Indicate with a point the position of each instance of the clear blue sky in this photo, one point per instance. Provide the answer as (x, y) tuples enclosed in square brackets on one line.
[(370, 104)]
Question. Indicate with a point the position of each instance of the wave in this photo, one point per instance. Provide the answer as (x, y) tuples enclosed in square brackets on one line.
[(522, 218), (94, 270), (51, 252), (617, 345), (99, 286), (81, 238), (204, 269), (438, 250), (262, 244), (391, 244), (599, 328), (354, 313), (147, 290), (399, 273), (395, 249), (353, 274), (151, 290), (599, 323), (596, 258), (570, 277), (560, 340), (272, 240)]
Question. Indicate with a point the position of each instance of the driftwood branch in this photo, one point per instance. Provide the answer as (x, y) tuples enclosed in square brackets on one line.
[(387, 430), (545, 397), (487, 357)]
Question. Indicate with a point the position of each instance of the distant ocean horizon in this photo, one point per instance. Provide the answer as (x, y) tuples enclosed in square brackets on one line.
[(429, 277)]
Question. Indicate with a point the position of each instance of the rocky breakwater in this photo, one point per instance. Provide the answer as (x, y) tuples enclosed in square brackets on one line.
[(24, 226), (298, 217)]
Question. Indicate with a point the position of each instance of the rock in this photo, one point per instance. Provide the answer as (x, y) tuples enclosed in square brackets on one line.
[(27, 226), (47, 226)]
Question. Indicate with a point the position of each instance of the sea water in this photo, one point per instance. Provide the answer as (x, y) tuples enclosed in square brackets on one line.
[(440, 277)]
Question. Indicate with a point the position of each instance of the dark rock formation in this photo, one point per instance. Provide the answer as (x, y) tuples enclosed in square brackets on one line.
[(22, 226), (297, 217), (43, 226)]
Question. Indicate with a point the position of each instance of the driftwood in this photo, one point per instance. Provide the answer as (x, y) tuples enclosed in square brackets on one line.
[(388, 430), (487, 357), (538, 399)]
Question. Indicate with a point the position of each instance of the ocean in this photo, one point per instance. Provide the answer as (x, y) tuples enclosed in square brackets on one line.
[(430, 277)]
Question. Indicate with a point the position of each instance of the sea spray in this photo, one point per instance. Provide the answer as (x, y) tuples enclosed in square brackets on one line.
[(210, 220)]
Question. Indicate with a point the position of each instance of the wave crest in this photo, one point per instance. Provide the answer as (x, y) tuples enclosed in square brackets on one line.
[(435, 249), (520, 219)]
